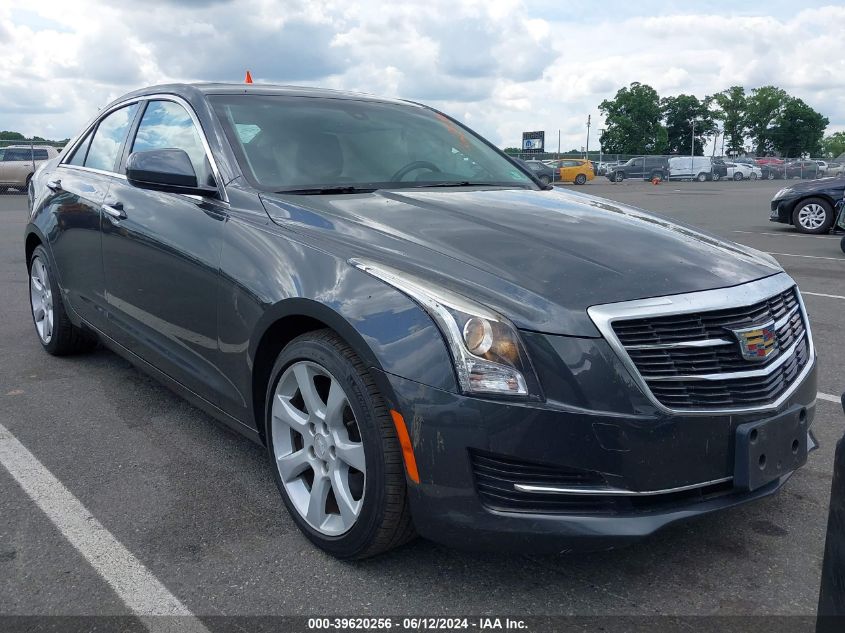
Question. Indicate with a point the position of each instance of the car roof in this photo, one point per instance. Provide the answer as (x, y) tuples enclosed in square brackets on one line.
[(195, 89)]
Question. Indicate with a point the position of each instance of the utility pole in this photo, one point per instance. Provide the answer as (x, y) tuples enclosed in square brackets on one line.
[(587, 153), (558, 144), (692, 148)]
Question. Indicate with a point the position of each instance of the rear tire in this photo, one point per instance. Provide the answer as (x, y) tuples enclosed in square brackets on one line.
[(702, 177), (813, 216), (57, 335), (753, 176), (738, 176), (842, 244), (379, 518), (545, 179), (580, 179)]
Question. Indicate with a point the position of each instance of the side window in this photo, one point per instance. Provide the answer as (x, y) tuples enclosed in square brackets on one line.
[(78, 157), (637, 162), (108, 138), (17, 154), (40, 154), (167, 125)]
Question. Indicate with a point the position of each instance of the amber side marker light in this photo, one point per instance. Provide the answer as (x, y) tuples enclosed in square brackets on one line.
[(405, 443)]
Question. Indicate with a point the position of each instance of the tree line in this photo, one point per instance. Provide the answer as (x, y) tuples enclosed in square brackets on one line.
[(639, 121), (6, 135)]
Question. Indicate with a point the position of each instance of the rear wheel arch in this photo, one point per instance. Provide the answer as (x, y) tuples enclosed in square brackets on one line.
[(32, 241)]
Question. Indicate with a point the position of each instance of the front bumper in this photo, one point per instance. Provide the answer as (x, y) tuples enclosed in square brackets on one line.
[(453, 503), (781, 211)]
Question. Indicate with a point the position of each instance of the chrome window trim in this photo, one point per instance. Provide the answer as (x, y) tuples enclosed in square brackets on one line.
[(221, 189), (742, 295), (71, 147), (615, 492), (102, 172)]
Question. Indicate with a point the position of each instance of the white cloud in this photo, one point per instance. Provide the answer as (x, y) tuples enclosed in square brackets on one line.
[(504, 66)]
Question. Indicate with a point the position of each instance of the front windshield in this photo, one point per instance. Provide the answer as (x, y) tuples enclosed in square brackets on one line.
[(289, 143)]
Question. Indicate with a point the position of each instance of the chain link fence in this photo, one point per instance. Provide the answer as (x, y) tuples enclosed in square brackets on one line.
[(620, 167), (18, 161)]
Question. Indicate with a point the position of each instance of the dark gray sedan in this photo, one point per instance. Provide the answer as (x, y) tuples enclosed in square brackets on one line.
[(543, 172), (426, 339)]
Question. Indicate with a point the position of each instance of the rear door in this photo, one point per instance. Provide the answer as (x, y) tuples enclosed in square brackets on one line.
[(78, 188), (16, 164), (161, 254)]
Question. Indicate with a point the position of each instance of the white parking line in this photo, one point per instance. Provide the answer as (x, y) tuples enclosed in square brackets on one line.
[(833, 259), (828, 397), (139, 590), (818, 237), (821, 294)]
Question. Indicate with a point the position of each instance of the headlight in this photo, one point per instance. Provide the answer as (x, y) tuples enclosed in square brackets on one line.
[(488, 354), (782, 192)]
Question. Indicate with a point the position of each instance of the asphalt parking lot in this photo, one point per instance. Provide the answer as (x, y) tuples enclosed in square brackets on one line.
[(198, 507)]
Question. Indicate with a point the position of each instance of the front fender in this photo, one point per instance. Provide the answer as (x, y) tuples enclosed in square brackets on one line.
[(387, 330), (269, 277)]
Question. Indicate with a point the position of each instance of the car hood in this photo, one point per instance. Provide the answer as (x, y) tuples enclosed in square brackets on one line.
[(820, 184), (541, 258)]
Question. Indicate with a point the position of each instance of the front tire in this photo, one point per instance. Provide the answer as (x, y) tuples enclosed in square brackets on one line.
[(57, 335), (702, 177), (813, 216), (338, 462), (545, 179), (753, 176), (618, 177)]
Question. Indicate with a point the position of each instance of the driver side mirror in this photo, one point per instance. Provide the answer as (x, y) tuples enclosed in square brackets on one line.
[(168, 170)]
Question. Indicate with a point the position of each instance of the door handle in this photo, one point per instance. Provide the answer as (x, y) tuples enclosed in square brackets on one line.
[(54, 185), (115, 210)]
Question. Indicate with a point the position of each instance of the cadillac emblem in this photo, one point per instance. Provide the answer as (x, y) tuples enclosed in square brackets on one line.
[(757, 343)]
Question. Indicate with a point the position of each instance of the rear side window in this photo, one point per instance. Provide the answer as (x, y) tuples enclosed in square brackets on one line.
[(108, 139), (40, 154), (167, 125), (78, 156)]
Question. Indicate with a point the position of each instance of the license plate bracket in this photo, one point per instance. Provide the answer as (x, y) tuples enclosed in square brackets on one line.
[(770, 448)]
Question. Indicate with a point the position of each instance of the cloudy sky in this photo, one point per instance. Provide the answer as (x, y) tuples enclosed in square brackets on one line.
[(501, 66)]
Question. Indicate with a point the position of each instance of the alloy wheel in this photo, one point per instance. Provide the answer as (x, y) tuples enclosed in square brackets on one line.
[(318, 448), (812, 216), (41, 298)]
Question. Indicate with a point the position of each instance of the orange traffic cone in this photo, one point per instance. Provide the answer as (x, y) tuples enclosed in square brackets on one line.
[(655, 180), (248, 78)]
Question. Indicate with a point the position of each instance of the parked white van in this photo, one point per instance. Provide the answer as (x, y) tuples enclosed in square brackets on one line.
[(698, 168)]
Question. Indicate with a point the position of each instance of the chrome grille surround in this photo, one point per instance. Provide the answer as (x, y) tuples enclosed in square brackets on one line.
[(744, 295)]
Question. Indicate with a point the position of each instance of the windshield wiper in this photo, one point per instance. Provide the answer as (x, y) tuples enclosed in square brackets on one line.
[(467, 183), (327, 191)]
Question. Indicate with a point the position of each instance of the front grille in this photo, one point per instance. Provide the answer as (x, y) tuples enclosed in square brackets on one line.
[(496, 476), (690, 361)]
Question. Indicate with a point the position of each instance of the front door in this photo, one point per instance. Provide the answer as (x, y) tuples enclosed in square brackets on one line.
[(161, 254)]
